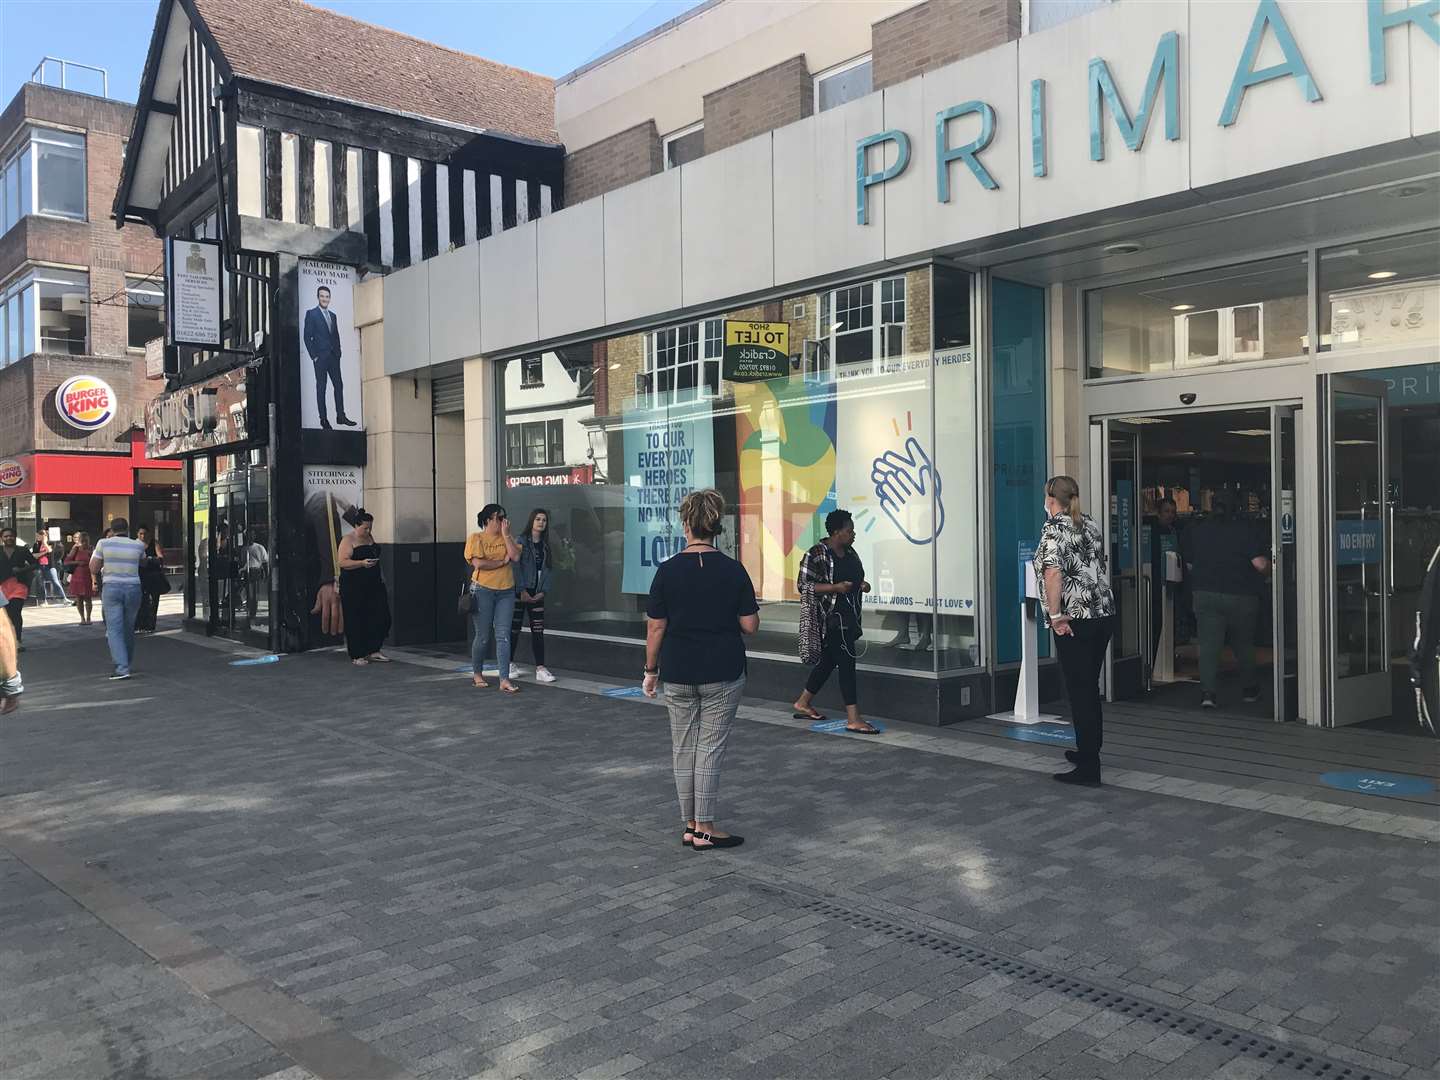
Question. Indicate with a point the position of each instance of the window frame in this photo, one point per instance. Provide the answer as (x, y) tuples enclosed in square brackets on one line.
[(840, 69), (878, 326), (135, 283), (700, 372), (21, 156), (677, 134)]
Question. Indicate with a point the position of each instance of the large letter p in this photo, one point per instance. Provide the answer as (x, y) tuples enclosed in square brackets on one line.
[(864, 179)]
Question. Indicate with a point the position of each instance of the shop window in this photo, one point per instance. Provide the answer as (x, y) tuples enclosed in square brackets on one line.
[(684, 145), (784, 453), (842, 83), (1380, 293), (145, 300), (1230, 314)]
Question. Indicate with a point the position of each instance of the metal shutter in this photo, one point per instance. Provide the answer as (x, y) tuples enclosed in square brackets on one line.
[(447, 394)]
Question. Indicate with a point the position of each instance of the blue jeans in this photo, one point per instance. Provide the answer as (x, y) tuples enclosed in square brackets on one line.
[(491, 610), (120, 604), (50, 584)]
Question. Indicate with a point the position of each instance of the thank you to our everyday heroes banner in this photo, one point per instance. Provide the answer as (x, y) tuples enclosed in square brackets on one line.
[(667, 456)]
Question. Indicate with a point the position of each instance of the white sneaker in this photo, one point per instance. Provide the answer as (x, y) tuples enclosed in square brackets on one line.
[(542, 674), (516, 671)]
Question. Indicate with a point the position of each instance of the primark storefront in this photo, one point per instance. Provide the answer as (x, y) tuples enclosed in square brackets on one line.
[(1185, 252)]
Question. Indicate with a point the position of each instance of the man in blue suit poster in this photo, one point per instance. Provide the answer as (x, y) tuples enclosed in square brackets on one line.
[(322, 342)]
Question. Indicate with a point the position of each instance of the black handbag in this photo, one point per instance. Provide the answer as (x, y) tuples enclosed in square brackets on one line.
[(466, 604)]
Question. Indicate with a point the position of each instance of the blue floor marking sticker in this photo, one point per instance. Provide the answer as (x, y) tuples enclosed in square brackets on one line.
[(1378, 783), (1046, 733), (832, 727), (625, 691), (468, 670), (251, 661)]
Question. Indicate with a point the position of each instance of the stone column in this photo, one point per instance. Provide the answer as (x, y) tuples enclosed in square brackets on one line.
[(481, 468)]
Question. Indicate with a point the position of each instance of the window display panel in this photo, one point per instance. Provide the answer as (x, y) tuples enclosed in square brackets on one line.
[(1227, 315), (850, 425), (1381, 293)]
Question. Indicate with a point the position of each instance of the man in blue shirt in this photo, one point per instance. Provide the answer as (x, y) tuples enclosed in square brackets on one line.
[(118, 558)]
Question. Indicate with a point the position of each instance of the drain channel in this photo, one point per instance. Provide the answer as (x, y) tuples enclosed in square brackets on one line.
[(1243, 1042)]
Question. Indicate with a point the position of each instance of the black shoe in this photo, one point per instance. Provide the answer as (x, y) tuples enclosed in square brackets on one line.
[(1250, 694), (345, 420), (325, 424), (715, 841), (1080, 775), (1207, 701), (1072, 756)]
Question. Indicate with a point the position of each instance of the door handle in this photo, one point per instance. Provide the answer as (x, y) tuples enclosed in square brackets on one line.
[(1390, 547)]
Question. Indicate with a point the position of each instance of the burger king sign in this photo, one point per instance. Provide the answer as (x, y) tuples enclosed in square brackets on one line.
[(85, 402), (12, 473)]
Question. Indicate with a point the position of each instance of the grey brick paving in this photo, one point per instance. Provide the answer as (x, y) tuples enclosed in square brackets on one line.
[(479, 886)]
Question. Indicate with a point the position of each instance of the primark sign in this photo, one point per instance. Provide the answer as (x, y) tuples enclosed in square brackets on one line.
[(1271, 52)]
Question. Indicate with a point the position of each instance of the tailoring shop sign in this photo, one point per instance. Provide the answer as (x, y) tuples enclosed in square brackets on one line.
[(755, 351), (669, 452)]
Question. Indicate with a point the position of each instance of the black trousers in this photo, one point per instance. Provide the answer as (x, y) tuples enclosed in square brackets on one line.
[(1082, 655), (16, 608), (835, 658), (328, 367), (535, 611)]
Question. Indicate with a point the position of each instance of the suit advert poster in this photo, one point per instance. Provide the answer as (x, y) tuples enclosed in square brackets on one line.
[(329, 348)]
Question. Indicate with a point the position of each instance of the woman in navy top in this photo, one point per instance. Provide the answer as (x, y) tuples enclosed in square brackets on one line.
[(701, 603)]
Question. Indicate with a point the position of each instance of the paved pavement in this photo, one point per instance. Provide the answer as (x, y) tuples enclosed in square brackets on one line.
[(306, 869)]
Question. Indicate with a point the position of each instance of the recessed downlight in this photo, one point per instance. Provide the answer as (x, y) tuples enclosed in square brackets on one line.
[(1125, 247), (1382, 275), (1182, 307), (1404, 191)]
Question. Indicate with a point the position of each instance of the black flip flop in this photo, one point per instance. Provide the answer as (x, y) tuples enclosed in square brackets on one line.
[(817, 719), (857, 731)]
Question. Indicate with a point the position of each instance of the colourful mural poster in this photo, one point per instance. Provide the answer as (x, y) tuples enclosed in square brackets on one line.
[(785, 437)]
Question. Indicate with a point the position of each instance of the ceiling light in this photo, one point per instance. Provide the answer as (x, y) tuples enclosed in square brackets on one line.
[(1182, 307), (1255, 431), (1354, 442), (1142, 420), (1381, 275), (1125, 247), (1405, 191), (614, 367)]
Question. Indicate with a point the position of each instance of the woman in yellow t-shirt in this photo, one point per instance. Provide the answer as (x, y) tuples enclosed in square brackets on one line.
[(492, 555)]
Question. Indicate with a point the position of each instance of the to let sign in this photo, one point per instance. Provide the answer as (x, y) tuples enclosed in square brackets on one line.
[(756, 351), (193, 277)]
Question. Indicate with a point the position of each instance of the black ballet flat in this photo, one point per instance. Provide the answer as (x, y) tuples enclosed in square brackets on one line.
[(716, 842)]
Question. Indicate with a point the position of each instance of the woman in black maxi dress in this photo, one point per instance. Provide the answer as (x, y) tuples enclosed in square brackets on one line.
[(363, 601)]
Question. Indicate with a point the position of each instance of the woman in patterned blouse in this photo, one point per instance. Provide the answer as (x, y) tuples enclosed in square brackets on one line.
[(1075, 588)]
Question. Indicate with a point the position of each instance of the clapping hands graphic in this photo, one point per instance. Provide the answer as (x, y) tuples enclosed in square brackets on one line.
[(909, 489)]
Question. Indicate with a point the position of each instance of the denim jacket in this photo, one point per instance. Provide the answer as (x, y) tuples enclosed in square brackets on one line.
[(525, 568)]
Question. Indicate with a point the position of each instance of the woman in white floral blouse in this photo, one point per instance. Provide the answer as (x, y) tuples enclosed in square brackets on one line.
[(1074, 587)]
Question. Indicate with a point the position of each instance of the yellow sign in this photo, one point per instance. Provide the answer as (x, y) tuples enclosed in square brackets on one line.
[(755, 351)]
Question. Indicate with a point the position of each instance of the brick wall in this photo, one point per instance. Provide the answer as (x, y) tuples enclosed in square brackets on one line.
[(611, 163), (28, 420), (768, 99), (936, 33)]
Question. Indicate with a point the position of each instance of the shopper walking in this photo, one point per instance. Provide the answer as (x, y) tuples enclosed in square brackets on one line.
[(153, 583), (51, 591), (82, 582), (701, 603), (1226, 561), (831, 583), (532, 583), (492, 555), (117, 559), (11, 685), (17, 571), (363, 599), (1074, 586)]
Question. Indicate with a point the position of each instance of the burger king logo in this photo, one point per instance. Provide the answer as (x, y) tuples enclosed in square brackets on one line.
[(12, 473), (85, 402)]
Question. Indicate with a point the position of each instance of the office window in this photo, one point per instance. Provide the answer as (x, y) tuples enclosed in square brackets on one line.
[(534, 440), (145, 300), (64, 306), (514, 448), (684, 145), (842, 83), (44, 174)]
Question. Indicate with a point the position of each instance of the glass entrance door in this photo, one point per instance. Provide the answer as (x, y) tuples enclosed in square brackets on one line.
[(1127, 673), (1359, 550)]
